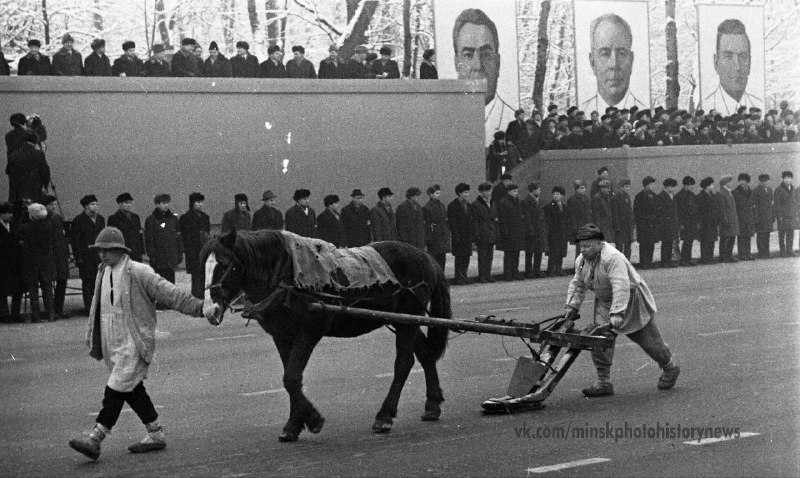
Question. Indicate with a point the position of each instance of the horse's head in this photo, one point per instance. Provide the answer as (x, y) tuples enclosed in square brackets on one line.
[(224, 276)]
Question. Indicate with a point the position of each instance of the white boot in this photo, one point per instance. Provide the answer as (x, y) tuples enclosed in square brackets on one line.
[(154, 440)]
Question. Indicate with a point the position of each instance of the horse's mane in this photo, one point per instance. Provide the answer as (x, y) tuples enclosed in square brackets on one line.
[(263, 254)]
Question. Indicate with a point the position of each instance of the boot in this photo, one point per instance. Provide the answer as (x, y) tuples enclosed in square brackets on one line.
[(670, 376), (599, 389), (154, 440), (90, 445)]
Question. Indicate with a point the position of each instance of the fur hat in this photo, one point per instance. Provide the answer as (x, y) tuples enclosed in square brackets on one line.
[(330, 199), (648, 180), (272, 49), (158, 48), (97, 43), (462, 187), (240, 197), (195, 197), (578, 183), (385, 50), (506, 176), (298, 49), (412, 192), (34, 42), (188, 41), (110, 238), (383, 192), (743, 177), (763, 177), (706, 182), (670, 183), (301, 194), (512, 187), (688, 181), (589, 231), (243, 44), (161, 198), (559, 189), (124, 197), (485, 186), (787, 174), (356, 193), (88, 199), (128, 45), (67, 38)]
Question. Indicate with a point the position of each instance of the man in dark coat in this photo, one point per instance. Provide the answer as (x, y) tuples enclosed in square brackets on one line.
[(9, 267), (67, 61), (333, 66), (384, 68), (216, 65), (685, 201), (483, 223), (603, 210), (381, 217), (555, 216), (645, 215), (668, 224), (268, 217), (299, 66), (745, 211), (18, 134), (516, 131), (238, 218), (535, 231), (437, 231), (708, 219), (244, 65), (511, 239), (329, 222), (60, 256), (460, 232), (729, 220), (162, 239), (355, 69), (128, 64), (157, 65), (273, 67), (579, 209), (129, 223), (184, 62), (85, 228), (622, 213), (355, 221), (195, 228), (602, 175), (301, 218), (97, 63), (5, 68), (410, 220), (28, 172), (784, 205), (34, 63), (36, 239), (500, 189), (764, 215)]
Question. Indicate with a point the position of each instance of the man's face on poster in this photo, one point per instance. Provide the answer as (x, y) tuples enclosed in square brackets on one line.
[(476, 57), (611, 59), (732, 64)]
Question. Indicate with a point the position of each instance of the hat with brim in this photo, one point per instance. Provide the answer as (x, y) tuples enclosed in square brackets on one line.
[(268, 195), (110, 238), (589, 231)]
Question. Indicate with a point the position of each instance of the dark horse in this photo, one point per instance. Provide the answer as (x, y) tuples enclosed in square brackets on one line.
[(259, 265)]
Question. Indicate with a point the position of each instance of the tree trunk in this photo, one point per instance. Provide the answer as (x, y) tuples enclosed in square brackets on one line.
[(273, 27), (97, 17), (541, 57), (673, 85), (162, 24), (252, 14), (356, 35), (229, 25), (417, 41), (406, 38), (46, 22), (284, 18), (559, 60)]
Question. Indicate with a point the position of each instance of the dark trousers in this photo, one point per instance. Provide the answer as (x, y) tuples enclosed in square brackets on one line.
[(786, 240), (47, 297), (461, 265), (646, 250), (707, 251), (554, 264), (743, 246), (485, 257), (686, 250), (441, 259), (726, 247), (198, 283), (666, 250), (59, 296), (533, 262), (166, 272), (138, 399), (510, 264), (624, 248), (762, 242), (88, 275)]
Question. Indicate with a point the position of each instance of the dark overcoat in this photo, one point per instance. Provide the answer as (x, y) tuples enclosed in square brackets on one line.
[(155, 68), (131, 228), (235, 219), (745, 210), (96, 65), (729, 220), (535, 225), (511, 225), (579, 213), (267, 217), (28, 174), (355, 70), (300, 223), (184, 65), (685, 201), (9, 262), (557, 229), (162, 240), (411, 223), (60, 246), (14, 140), (355, 220), (82, 235), (330, 229), (668, 225), (437, 230), (382, 222), (269, 69), (244, 68), (329, 69), (645, 215), (67, 63), (37, 241), (390, 67), (764, 213), (784, 199), (302, 69), (129, 66), (460, 228), (195, 227), (217, 69), (603, 214), (623, 217), (708, 217), (31, 65), (483, 222)]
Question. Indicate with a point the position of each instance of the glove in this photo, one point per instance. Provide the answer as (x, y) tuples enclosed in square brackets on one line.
[(616, 320), (570, 313)]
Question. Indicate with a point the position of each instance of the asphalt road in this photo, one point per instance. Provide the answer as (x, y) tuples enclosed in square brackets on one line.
[(735, 330)]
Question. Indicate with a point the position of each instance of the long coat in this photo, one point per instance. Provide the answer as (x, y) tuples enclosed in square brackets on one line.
[(129, 66), (217, 69), (28, 173), (96, 65), (729, 220), (645, 215), (9, 262), (355, 70), (708, 217), (411, 223), (267, 218), (302, 69), (186, 65), (784, 199), (579, 213), (162, 239), (236, 220), (668, 225), (329, 69), (535, 225), (300, 221), (512, 227), (355, 220), (483, 222), (268, 69), (557, 228), (745, 210), (460, 228), (244, 68), (437, 230), (195, 226), (37, 241), (391, 67), (83, 233), (623, 217), (764, 213), (131, 228), (382, 222), (67, 63), (32, 65), (687, 214), (330, 229), (60, 246), (603, 214)]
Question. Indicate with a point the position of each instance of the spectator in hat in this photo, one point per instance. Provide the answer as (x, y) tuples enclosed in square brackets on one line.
[(355, 219), (157, 65), (603, 210), (371, 57), (622, 214), (729, 220), (668, 222), (511, 237), (437, 230), (332, 67), (720, 133), (411, 220), (244, 65), (273, 66), (10, 284), (268, 217), (500, 189), (535, 231), (745, 212), (85, 228), (460, 233), (301, 218), (162, 238), (34, 62), (329, 222), (483, 224), (28, 171), (616, 138), (355, 68), (382, 218), (216, 65), (18, 134), (645, 214), (686, 206), (708, 218), (384, 68), (785, 199), (602, 174), (122, 332), (579, 208), (555, 215), (38, 269), (238, 218), (129, 224), (184, 62), (427, 68), (128, 64), (641, 136), (67, 61), (496, 156), (763, 214), (299, 66), (195, 228), (97, 63), (516, 132)]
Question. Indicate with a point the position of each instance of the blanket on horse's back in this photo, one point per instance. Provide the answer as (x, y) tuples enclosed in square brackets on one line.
[(319, 264)]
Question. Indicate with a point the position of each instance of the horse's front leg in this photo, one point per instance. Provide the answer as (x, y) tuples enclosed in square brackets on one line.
[(302, 411), (404, 360), (433, 391)]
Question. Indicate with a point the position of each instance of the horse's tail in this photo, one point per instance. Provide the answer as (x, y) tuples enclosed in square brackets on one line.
[(440, 307)]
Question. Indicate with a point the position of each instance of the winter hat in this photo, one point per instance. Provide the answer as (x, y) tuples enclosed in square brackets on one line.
[(124, 197), (589, 231), (110, 238)]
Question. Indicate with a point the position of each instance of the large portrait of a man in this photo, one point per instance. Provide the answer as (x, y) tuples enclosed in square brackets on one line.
[(483, 38), (612, 55), (732, 62)]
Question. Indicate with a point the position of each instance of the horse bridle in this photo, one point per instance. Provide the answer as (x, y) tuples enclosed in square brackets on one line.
[(236, 305)]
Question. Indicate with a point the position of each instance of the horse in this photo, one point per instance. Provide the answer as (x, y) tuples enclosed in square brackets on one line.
[(259, 266)]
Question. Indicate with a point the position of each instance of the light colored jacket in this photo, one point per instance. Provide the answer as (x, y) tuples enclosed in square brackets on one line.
[(141, 288), (618, 289)]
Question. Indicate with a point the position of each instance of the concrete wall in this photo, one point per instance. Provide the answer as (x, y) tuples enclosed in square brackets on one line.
[(223, 136), (562, 167)]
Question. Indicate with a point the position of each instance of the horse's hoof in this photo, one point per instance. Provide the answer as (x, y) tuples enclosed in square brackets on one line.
[(431, 415), (287, 437), (315, 425), (381, 427)]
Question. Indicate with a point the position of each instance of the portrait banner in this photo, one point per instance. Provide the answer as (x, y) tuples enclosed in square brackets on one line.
[(731, 57), (477, 39), (612, 54)]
